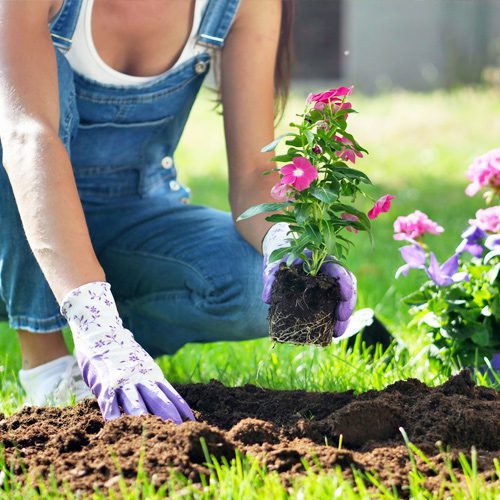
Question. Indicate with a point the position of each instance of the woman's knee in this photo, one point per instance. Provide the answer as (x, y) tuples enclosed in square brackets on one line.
[(235, 299)]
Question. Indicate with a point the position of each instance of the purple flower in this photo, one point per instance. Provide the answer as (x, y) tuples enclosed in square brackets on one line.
[(472, 238), (447, 273), (414, 256), (492, 243), (495, 361)]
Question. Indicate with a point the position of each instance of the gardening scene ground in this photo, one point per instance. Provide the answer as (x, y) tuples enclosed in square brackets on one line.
[(344, 421)]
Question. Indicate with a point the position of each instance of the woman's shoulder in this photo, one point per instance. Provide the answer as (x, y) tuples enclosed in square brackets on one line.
[(263, 11)]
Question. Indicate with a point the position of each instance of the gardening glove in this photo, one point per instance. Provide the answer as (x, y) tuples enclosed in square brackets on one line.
[(276, 238), (119, 372)]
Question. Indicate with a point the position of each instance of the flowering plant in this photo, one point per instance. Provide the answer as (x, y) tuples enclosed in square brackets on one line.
[(459, 306), (317, 187)]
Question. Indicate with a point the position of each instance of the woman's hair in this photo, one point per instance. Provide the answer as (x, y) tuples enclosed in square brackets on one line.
[(284, 60)]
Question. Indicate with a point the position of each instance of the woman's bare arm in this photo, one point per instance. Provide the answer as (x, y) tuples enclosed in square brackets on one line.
[(248, 62), (34, 157)]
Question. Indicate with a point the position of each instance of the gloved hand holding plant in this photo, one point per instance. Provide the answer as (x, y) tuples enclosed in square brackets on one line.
[(311, 293)]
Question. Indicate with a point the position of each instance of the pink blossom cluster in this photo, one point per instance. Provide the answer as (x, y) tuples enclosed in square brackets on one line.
[(487, 219), (332, 96), (348, 152), (414, 226), (484, 172)]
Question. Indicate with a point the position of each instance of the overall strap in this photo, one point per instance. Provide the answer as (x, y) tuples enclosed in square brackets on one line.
[(63, 26), (216, 23)]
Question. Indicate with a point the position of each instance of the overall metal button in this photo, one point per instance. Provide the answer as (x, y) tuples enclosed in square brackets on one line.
[(174, 185), (167, 162), (200, 67)]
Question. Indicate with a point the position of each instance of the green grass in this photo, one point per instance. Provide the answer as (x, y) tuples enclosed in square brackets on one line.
[(420, 146), (245, 478)]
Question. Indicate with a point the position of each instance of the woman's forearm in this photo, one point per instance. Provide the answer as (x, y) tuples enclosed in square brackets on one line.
[(247, 189), (42, 180)]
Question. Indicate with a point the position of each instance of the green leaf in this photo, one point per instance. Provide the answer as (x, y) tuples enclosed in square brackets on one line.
[(262, 208), (290, 259), (482, 336), (300, 245), (296, 141), (416, 298), (325, 194), (280, 218), (357, 146), (267, 172), (301, 212), (350, 173), (278, 254), (309, 136), (314, 234), (329, 237), (283, 158), (346, 240), (272, 145)]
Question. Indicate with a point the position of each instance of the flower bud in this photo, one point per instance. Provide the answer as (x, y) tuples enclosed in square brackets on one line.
[(317, 149)]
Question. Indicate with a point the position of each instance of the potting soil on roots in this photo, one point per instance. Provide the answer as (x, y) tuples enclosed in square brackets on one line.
[(302, 309), (280, 428)]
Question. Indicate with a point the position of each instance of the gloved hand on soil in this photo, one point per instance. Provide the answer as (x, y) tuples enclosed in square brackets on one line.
[(276, 238), (120, 373)]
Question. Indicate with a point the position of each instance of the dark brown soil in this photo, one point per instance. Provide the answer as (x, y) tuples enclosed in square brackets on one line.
[(302, 309), (281, 428)]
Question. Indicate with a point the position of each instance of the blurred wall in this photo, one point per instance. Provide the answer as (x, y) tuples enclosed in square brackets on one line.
[(413, 44), (318, 39), (419, 44)]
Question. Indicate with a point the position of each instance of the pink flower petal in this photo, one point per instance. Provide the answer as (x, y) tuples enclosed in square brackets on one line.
[(382, 205), (279, 192)]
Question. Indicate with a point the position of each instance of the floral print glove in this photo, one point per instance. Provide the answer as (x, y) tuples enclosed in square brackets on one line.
[(120, 373), (276, 238)]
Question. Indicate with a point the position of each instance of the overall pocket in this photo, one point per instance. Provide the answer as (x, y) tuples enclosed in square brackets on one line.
[(110, 159)]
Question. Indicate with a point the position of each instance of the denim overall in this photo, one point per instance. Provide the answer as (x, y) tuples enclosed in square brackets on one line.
[(179, 272)]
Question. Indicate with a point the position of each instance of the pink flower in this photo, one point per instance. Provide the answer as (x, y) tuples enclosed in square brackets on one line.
[(279, 191), (347, 153), (329, 96), (351, 217), (487, 219), (299, 174), (415, 225), (344, 105), (484, 171), (382, 205)]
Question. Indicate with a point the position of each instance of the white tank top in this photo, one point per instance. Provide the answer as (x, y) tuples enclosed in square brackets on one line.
[(84, 59)]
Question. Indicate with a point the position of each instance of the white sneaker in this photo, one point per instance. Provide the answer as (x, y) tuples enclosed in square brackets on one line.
[(56, 383)]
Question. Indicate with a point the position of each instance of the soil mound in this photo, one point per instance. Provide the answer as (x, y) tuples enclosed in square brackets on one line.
[(281, 428)]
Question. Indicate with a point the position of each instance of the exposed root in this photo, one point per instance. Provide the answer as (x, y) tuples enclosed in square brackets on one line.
[(318, 330)]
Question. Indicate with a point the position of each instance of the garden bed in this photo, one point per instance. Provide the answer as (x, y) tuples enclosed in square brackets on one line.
[(281, 428)]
